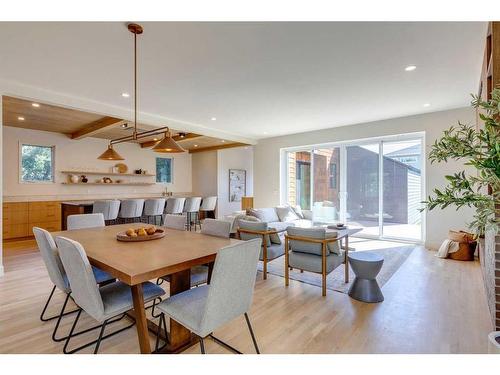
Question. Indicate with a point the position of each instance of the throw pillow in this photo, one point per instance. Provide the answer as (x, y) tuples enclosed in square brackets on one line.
[(286, 214)]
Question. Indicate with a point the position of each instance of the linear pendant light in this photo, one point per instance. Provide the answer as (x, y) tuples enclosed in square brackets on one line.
[(167, 144)]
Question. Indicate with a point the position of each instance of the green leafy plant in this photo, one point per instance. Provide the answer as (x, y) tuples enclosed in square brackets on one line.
[(480, 148)]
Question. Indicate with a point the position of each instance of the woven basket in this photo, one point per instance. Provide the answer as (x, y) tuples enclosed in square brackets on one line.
[(466, 245)]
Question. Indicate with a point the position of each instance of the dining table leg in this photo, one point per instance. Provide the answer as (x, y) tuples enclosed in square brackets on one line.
[(140, 319)]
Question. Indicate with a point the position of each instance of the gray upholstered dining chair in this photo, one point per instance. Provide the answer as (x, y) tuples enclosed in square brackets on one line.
[(58, 277), (104, 304), (84, 221), (153, 209), (131, 210), (210, 227), (248, 230), (174, 222), (192, 211), (109, 209), (175, 206), (204, 309), (208, 205), (313, 250)]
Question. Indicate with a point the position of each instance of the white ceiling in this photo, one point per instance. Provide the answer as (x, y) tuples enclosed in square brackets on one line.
[(257, 79)]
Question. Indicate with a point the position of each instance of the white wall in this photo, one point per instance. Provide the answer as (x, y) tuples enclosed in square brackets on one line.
[(232, 158), (205, 173), (77, 154), (438, 222)]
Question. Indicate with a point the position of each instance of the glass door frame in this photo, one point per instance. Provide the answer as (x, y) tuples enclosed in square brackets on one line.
[(342, 145)]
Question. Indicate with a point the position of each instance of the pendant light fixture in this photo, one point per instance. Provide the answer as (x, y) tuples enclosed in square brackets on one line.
[(167, 144)]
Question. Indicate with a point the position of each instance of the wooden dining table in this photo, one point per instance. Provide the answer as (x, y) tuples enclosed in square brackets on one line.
[(136, 262)]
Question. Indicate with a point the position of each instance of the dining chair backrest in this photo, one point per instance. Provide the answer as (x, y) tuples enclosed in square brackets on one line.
[(154, 207), (192, 204), (131, 208), (109, 208), (232, 284), (218, 228), (174, 205), (84, 289), (85, 221), (208, 204), (175, 222), (50, 256)]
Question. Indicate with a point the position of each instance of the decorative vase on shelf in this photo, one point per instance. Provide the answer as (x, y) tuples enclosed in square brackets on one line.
[(73, 178), (84, 179)]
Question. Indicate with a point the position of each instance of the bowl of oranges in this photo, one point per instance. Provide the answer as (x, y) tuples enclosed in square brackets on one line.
[(141, 234)]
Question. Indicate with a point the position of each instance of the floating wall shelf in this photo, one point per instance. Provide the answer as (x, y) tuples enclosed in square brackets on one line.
[(107, 173)]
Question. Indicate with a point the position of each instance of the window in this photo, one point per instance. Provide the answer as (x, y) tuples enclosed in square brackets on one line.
[(164, 170), (37, 163)]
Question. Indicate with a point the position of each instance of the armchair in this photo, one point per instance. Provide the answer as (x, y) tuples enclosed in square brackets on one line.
[(313, 250), (248, 230)]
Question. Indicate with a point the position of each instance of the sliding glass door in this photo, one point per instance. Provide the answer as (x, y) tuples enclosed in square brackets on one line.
[(402, 189), (362, 188), (376, 186)]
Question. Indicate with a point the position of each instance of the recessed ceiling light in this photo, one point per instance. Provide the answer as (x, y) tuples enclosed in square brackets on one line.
[(410, 68), (223, 141), (124, 126), (214, 119), (427, 104), (264, 133), (125, 94), (36, 105), (20, 118), (155, 139), (195, 145)]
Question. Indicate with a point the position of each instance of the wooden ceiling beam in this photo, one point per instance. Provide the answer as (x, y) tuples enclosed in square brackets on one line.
[(96, 127), (218, 147), (176, 138)]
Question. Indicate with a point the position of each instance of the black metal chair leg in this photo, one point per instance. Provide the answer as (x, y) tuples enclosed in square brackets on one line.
[(98, 343), (43, 319), (46, 305), (109, 321), (61, 314), (252, 334), (153, 308), (161, 324), (202, 346), (71, 332)]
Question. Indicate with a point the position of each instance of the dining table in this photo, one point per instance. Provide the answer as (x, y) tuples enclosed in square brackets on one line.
[(136, 262)]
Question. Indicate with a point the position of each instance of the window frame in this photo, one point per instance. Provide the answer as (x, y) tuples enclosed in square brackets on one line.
[(53, 166)]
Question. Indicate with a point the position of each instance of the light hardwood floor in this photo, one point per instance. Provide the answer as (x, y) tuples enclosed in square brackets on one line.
[(431, 306)]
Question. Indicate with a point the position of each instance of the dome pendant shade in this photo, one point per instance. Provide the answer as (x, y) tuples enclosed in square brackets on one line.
[(110, 154), (167, 145)]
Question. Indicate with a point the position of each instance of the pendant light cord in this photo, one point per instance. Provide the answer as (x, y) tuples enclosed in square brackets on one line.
[(135, 85)]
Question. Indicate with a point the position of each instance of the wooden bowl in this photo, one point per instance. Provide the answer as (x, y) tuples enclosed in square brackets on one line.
[(122, 236)]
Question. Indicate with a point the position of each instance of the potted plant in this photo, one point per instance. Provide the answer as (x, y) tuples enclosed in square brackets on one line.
[(480, 148)]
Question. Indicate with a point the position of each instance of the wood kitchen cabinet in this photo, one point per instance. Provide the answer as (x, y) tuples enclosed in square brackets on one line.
[(19, 218)]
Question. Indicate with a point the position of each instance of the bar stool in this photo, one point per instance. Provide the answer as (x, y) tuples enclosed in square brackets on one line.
[(109, 209), (192, 208), (208, 207), (153, 208), (131, 210), (175, 206)]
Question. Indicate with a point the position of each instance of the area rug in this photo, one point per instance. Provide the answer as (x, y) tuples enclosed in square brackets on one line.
[(394, 258)]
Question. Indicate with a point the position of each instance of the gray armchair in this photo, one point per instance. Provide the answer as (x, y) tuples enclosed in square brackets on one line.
[(249, 230), (313, 250)]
